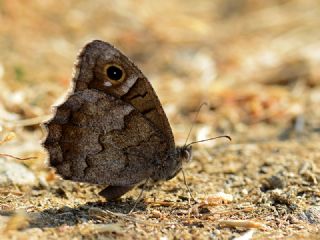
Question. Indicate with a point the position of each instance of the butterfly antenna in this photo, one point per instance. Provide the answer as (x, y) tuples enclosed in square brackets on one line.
[(194, 120), (209, 139)]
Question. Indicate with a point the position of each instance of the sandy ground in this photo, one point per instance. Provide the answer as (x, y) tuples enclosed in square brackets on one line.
[(255, 63)]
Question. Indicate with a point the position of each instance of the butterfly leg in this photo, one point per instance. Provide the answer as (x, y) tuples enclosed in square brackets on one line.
[(114, 192), (139, 197)]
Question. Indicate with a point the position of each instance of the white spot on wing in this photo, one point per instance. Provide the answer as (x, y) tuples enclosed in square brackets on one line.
[(107, 84)]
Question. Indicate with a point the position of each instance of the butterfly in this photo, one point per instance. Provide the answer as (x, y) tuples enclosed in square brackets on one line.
[(112, 129)]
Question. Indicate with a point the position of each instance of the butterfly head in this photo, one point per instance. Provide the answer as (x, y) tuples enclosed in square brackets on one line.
[(184, 153)]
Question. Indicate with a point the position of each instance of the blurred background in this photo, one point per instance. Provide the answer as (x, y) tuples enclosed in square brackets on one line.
[(256, 64)]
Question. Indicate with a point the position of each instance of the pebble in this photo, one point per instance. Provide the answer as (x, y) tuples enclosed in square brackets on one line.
[(15, 173), (312, 215)]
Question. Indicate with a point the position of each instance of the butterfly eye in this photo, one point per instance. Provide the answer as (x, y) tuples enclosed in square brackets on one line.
[(115, 73)]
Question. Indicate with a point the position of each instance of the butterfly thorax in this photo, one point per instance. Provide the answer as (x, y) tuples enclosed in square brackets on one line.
[(174, 162)]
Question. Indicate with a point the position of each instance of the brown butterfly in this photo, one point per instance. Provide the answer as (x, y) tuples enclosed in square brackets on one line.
[(112, 128)]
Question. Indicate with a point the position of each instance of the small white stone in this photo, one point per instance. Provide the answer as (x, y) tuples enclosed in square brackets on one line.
[(244, 191), (164, 238), (12, 172), (246, 236), (225, 196)]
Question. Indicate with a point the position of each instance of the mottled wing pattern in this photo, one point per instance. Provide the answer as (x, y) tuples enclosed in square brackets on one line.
[(110, 132), (97, 138)]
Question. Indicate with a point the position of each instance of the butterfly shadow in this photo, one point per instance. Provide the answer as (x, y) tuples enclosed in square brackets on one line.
[(95, 212)]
